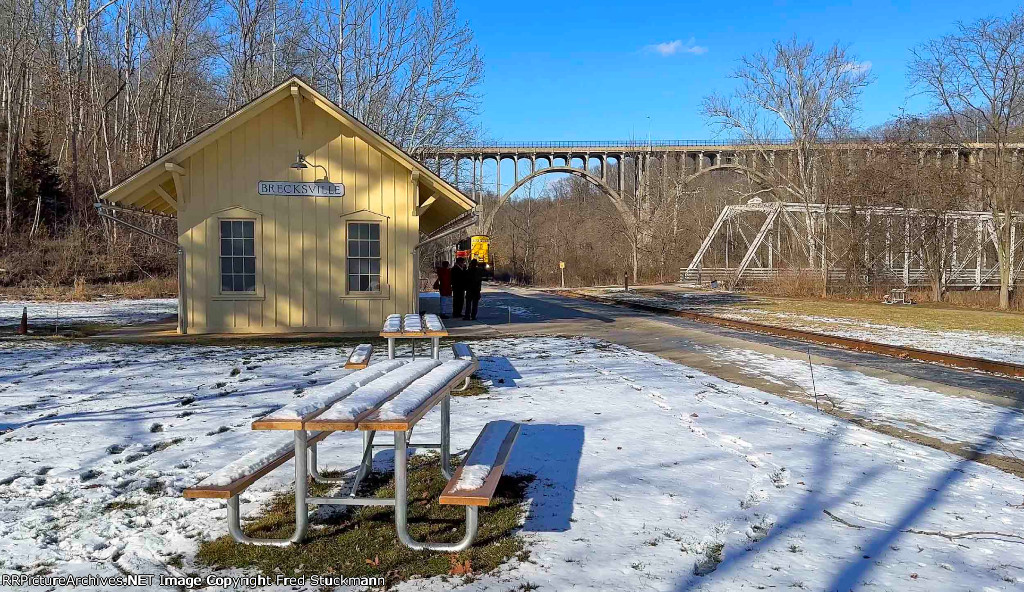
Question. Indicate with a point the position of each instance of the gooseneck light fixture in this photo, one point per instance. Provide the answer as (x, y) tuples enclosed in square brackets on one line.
[(301, 163)]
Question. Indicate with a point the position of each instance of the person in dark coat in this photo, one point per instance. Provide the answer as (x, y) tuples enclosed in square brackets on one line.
[(458, 286), (474, 279)]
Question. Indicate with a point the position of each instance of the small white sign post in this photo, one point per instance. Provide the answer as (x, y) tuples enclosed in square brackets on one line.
[(289, 189)]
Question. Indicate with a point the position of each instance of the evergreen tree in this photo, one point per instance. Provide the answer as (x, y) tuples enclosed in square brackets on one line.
[(43, 199)]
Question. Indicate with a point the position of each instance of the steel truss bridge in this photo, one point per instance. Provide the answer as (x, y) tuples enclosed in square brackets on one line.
[(903, 247)]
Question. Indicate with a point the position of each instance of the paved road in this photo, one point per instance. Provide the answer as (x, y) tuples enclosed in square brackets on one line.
[(510, 311)]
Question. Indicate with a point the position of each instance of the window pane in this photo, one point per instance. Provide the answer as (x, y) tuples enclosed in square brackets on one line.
[(353, 283), (364, 283), (375, 283), (352, 249), (250, 282), (236, 246), (248, 229), (225, 283), (247, 247), (364, 266), (238, 283), (225, 246), (374, 231), (375, 266), (358, 232), (225, 229), (353, 266), (249, 265), (225, 265), (236, 228), (374, 248)]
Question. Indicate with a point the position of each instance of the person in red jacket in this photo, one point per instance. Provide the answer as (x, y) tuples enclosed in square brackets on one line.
[(444, 286)]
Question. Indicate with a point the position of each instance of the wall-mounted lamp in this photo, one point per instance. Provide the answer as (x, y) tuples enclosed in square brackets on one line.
[(301, 163)]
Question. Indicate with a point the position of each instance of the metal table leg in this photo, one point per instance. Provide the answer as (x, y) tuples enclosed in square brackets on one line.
[(301, 511), (391, 348), (435, 345), (402, 510), (446, 439)]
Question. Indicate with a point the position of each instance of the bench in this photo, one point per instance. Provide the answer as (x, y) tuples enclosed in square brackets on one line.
[(411, 326), (360, 357), (390, 396), (461, 351), (474, 483), (237, 476), (897, 296)]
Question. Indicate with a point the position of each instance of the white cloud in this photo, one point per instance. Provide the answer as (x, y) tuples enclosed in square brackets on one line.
[(673, 47)]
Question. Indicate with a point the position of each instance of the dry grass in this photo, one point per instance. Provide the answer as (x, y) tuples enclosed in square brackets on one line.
[(937, 317), (157, 287)]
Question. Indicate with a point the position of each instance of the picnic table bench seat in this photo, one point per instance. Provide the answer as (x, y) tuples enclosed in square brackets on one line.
[(360, 357), (475, 482), (238, 475), (461, 351)]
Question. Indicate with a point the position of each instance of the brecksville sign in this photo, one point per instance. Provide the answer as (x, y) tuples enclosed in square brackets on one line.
[(316, 189)]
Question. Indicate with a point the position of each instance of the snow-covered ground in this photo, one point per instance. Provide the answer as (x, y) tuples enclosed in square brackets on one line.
[(978, 344), (650, 475), (952, 419), (115, 312)]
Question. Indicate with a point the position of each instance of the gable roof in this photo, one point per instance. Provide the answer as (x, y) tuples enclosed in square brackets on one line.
[(154, 188)]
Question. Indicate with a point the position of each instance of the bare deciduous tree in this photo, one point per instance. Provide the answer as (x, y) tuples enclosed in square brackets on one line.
[(976, 77), (806, 94)]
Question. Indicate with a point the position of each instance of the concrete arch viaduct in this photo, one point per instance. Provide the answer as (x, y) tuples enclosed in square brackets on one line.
[(691, 158)]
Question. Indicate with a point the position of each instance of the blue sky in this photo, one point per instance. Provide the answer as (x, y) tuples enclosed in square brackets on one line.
[(587, 70)]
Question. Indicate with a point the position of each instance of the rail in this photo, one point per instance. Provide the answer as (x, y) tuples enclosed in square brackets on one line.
[(896, 351)]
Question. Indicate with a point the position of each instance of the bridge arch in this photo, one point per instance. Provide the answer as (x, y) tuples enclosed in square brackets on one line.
[(613, 195)]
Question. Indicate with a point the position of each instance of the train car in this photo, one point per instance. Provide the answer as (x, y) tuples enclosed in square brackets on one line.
[(476, 247)]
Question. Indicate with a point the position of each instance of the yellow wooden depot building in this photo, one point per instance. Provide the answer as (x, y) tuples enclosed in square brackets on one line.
[(293, 216)]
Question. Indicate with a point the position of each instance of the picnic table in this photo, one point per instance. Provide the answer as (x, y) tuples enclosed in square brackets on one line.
[(412, 326), (390, 396)]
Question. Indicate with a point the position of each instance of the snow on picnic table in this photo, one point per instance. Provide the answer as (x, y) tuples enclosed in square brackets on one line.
[(115, 312), (650, 475)]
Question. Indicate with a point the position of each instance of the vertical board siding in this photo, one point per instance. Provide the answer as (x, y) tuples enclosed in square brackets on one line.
[(302, 253)]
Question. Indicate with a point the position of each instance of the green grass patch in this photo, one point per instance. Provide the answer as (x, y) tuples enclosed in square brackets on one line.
[(476, 388), (121, 505), (935, 317), (362, 541)]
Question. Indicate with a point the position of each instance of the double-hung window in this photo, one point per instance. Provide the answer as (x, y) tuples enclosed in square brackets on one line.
[(238, 256), (364, 257)]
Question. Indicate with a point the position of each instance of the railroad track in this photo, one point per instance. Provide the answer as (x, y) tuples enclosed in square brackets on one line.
[(895, 351)]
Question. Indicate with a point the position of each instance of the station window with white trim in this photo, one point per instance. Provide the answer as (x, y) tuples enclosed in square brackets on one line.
[(364, 257), (238, 256)]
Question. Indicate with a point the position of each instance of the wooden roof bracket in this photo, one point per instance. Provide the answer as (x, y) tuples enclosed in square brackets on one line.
[(415, 180), (179, 187), (166, 196), (297, 99)]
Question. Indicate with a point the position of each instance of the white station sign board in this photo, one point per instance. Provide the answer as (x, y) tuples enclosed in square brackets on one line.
[(286, 188)]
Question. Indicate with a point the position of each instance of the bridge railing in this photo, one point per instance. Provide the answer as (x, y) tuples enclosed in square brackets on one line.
[(631, 144)]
